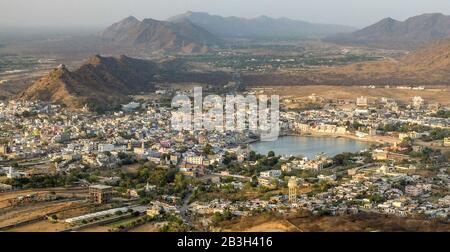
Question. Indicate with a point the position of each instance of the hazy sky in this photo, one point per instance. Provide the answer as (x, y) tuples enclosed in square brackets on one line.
[(99, 13)]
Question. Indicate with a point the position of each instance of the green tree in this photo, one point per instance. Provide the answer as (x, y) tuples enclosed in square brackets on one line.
[(208, 150), (180, 182)]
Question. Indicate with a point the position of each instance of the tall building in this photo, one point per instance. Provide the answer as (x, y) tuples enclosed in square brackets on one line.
[(3, 149), (100, 194), (417, 102), (292, 185), (447, 142), (361, 101)]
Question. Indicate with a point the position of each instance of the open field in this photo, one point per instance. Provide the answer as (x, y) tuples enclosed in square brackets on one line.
[(271, 226), (362, 222), (148, 227), (367, 222), (41, 226), (33, 211), (261, 223), (432, 94), (78, 192), (108, 227)]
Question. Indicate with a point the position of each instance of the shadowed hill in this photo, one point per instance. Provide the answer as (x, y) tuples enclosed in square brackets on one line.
[(392, 34), (260, 27), (154, 35)]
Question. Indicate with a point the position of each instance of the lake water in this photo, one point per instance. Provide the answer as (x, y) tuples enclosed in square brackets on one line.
[(309, 146)]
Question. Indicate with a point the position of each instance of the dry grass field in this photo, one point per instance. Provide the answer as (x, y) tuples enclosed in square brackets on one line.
[(362, 222), (433, 94)]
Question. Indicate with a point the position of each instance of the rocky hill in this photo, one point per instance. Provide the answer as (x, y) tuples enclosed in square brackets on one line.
[(154, 35), (101, 82), (429, 65), (260, 27), (392, 34)]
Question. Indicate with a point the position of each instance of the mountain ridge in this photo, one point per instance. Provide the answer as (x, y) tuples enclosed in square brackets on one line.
[(154, 35), (101, 82), (259, 27), (389, 33)]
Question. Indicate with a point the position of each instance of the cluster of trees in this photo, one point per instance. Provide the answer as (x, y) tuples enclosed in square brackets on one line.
[(148, 173), (52, 180), (133, 223), (443, 114), (428, 156), (438, 134), (208, 150), (264, 163), (174, 224), (126, 159), (228, 158), (168, 181), (218, 218), (346, 158), (322, 186), (403, 127)]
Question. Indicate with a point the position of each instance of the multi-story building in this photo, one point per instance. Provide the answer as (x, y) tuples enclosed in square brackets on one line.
[(271, 174), (3, 149), (105, 147), (417, 190), (417, 102), (447, 142), (361, 101), (100, 194), (196, 160)]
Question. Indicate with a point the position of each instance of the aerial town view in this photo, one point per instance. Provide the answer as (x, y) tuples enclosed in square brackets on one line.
[(229, 117)]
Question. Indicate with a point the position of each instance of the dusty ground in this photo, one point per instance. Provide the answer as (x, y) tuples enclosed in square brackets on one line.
[(368, 223), (272, 226), (65, 192), (98, 228), (41, 226), (133, 168), (262, 223), (351, 223), (434, 94), (149, 227), (31, 211)]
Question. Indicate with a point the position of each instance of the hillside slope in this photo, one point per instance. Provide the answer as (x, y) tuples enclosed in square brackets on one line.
[(154, 35), (101, 82), (392, 34)]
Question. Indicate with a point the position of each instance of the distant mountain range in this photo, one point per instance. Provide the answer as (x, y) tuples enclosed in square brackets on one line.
[(392, 34), (154, 35), (197, 32), (105, 82), (260, 27)]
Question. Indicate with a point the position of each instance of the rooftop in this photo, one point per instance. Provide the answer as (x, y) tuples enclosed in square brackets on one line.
[(101, 187)]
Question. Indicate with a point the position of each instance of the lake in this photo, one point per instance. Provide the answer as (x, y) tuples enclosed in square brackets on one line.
[(309, 146)]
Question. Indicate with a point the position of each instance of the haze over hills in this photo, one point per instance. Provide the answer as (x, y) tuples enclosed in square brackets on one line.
[(392, 34), (154, 35), (427, 66), (100, 81), (106, 82), (260, 27)]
